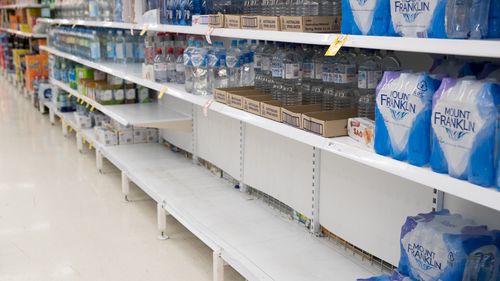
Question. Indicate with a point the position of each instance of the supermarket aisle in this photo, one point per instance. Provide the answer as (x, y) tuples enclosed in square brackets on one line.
[(62, 220)]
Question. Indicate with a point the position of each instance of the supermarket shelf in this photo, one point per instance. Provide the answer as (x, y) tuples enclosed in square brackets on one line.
[(136, 114), (20, 6), (340, 146), (90, 137), (68, 118), (476, 48), (252, 238), (23, 34)]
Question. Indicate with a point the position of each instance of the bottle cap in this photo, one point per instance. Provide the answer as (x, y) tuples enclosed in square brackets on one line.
[(158, 51)]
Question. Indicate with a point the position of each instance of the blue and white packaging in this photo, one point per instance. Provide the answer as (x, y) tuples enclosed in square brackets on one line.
[(464, 122), (440, 246), (418, 18), (402, 116), (365, 17), (395, 276)]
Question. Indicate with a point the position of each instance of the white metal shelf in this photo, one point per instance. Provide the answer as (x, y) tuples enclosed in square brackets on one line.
[(23, 34), (20, 6), (135, 114), (252, 238), (340, 146), (476, 48)]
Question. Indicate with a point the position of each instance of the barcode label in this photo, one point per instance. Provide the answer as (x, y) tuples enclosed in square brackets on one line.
[(290, 120)]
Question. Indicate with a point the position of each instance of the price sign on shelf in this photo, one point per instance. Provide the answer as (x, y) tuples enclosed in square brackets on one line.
[(144, 29), (336, 45), (162, 92), (206, 106), (132, 29)]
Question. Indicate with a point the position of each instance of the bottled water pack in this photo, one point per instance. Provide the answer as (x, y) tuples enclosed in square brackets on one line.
[(464, 121), (365, 17), (402, 116), (446, 247), (419, 18)]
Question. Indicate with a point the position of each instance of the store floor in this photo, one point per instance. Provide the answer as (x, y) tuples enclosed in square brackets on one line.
[(60, 219)]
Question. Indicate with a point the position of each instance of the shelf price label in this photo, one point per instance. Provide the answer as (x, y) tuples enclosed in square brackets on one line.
[(74, 25), (92, 108), (336, 45), (162, 92), (144, 29), (208, 33), (132, 29), (90, 145)]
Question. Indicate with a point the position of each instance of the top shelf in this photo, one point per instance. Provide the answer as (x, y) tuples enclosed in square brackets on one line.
[(475, 48), (23, 34), (20, 6)]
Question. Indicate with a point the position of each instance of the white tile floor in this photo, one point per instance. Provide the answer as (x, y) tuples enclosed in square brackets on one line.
[(62, 220)]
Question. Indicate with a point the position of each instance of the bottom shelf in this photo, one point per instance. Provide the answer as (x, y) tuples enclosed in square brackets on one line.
[(253, 238)]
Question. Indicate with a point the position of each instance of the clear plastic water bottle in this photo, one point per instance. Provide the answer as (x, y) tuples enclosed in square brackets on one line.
[(120, 55), (267, 77), (171, 64), (307, 73), (188, 66), (368, 79), (180, 76), (457, 18), (221, 79), (139, 48), (213, 64), (277, 71), (325, 7), (160, 67), (95, 48), (257, 65), (328, 79), (233, 63), (106, 10), (290, 94), (316, 94), (93, 10), (311, 7), (345, 81), (129, 48), (199, 61), (478, 19), (247, 69), (390, 62), (118, 10)]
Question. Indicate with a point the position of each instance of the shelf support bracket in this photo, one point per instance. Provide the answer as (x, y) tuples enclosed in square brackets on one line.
[(52, 117), (316, 160), (194, 134), (218, 266), (125, 186), (79, 142), (98, 160), (161, 214), (41, 107)]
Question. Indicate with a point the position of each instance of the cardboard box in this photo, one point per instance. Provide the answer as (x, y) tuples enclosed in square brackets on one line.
[(83, 121), (221, 94), (216, 20), (200, 19), (153, 135), (252, 104), (322, 24), (140, 135), (249, 22), (328, 123), (269, 23), (126, 136), (236, 99), (362, 130), (292, 115), (232, 21), (271, 110), (105, 136)]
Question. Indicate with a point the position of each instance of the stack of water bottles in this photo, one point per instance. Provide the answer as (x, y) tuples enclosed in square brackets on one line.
[(435, 19), (98, 44), (165, 52), (209, 67), (292, 7)]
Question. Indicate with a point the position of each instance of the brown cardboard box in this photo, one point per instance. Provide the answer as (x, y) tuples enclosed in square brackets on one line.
[(269, 23), (328, 123), (322, 24), (292, 115), (271, 110), (250, 22), (216, 20), (221, 94), (252, 104), (236, 99), (232, 21)]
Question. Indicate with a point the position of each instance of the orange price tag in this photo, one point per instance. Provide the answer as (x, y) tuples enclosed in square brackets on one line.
[(206, 106), (208, 33)]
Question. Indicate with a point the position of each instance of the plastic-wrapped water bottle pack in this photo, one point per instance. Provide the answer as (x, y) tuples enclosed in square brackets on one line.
[(440, 246), (422, 18)]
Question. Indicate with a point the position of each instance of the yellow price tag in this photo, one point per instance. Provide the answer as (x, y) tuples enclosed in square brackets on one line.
[(92, 108), (78, 100), (162, 92), (336, 45), (144, 29), (82, 101), (83, 140), (74, 25), (90, 145), (70, 129), (87, 106)]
